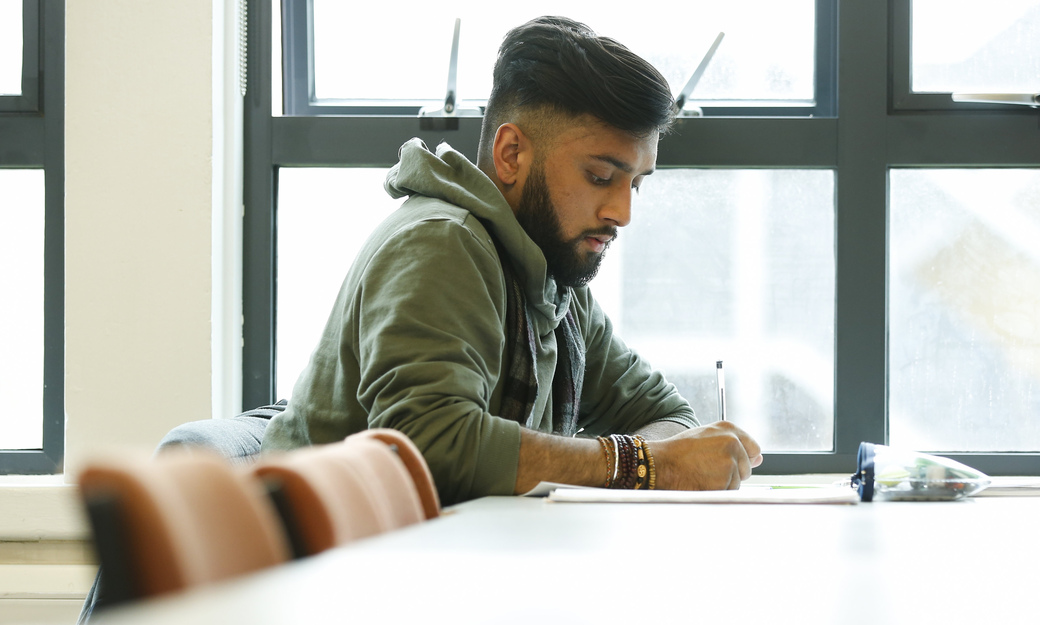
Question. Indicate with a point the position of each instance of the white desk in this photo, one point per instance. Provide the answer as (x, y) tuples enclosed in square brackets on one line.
[(513, 560)]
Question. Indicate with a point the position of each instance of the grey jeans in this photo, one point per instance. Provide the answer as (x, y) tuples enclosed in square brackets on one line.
[(237, 439)]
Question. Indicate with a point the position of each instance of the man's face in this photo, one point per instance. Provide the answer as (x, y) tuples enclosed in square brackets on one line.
[(575, 199)]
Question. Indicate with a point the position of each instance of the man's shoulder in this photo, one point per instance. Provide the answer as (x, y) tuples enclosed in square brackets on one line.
[(421, 207), (434, 219)]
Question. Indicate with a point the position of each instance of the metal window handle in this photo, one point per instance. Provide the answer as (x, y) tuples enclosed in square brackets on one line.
[(451, 107), (1021, 99), (695, 78)]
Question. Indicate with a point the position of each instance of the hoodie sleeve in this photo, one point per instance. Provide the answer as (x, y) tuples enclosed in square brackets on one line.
[(621, 391), (431, 308)]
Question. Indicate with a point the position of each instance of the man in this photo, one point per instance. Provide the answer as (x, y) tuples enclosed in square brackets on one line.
[(466, 323)]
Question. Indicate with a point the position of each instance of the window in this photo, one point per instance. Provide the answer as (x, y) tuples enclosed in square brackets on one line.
[(31, 219), (739, 72), (964, 286), (19, 55), (10, 47), (947, 47), (957, 48), (737, 265), (21, 315), (773, 236), (769, 62), (320, 229), (764, 304)]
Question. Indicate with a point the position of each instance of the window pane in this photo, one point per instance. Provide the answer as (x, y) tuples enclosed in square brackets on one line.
[(321, 227), (276, 57), (964, 316), (21, 308), (738, 266), (731, 265), (961, 46), (10, 47), (365, 51)]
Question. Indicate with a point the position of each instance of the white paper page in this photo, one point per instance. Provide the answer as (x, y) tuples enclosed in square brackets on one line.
[(761, 495), (544, 488)]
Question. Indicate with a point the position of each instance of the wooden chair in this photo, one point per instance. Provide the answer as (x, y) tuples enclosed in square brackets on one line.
[(176, 521), (333, 494)]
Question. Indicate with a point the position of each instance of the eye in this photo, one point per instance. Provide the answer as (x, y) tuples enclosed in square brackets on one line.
[(598, 181)]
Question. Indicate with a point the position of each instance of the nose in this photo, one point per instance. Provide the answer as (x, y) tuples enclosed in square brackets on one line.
[(618, 208)]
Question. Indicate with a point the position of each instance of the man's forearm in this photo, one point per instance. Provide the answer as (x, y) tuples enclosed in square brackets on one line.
[(659, 430), (579, 461), (549, 458)]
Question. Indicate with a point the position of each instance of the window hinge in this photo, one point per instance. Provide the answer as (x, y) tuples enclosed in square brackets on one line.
[(684, 95), (446, 117)]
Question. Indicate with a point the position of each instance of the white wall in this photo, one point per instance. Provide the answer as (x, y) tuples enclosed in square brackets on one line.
[(145, 206)]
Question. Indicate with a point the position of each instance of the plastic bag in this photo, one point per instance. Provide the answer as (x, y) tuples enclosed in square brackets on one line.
[(887, 474)]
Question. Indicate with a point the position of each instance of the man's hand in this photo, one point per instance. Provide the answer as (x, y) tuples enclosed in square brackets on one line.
[(713, 457)]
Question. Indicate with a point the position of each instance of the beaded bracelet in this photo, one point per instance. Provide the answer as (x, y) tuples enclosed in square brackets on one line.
[(641, 467), (651, 470), (629, 459), (617, 454), (622, 459), (611, 461)]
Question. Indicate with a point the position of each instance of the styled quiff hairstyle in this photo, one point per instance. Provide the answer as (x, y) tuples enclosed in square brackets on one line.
[(554, 67)]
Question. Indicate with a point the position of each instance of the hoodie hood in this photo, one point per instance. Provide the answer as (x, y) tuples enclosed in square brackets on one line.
[(449, 176)]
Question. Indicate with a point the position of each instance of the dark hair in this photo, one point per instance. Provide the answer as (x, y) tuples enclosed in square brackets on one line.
[(563, 66)]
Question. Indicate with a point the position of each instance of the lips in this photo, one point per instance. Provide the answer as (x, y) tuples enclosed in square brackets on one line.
[(599, 242)]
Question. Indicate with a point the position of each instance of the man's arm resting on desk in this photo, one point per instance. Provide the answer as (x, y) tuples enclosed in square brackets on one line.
[(712, 457)]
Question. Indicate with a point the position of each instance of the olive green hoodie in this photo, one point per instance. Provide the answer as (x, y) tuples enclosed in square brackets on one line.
[(416, 339)]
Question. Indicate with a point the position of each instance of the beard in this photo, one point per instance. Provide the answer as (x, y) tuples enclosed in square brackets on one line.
[(565, 259)]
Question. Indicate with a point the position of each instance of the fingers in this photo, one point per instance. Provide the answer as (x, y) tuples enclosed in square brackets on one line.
[(712, 457), (750, 446), (745, 456), (743, 464)]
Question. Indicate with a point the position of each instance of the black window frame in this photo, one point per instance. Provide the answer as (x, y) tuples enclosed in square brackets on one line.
[(861, 140), (33, 128)]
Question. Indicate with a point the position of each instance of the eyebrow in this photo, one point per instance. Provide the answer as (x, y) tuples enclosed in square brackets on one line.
[(622, 165)]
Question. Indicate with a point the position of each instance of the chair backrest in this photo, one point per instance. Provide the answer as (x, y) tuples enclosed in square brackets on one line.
[(176, 521), (385, 473), (340, 492), (414, 462), (325, 501)]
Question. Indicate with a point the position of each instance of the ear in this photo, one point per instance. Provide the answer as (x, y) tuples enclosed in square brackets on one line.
[(512, 155)]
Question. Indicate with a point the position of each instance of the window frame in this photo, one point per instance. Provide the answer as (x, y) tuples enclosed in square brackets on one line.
[(34, 129), (864, 140)]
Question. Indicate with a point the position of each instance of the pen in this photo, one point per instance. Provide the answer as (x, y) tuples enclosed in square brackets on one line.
[(720, 378)]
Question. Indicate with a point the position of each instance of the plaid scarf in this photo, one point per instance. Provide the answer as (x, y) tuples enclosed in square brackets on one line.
[(521, 383)]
